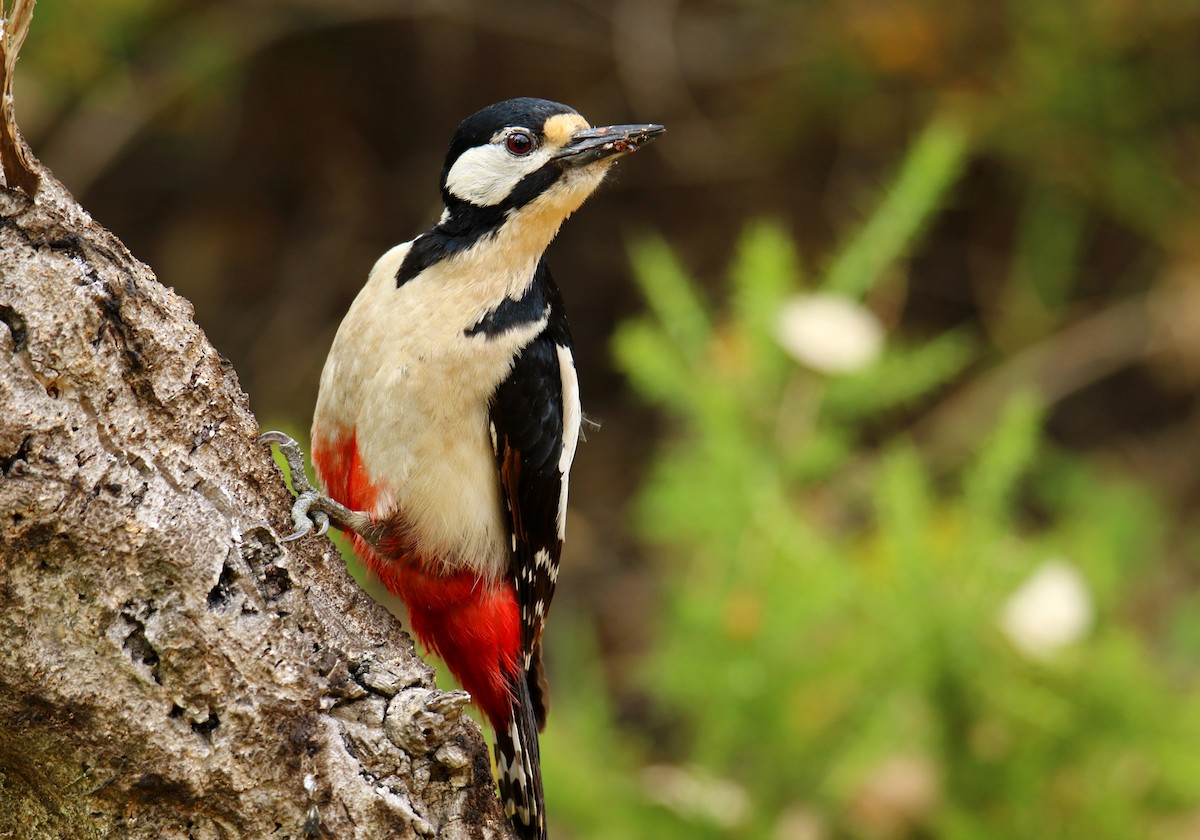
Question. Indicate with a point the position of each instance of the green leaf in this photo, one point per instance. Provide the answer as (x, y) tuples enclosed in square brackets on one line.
[(671, 296), (991, 482), (653, 364), (929, 169), (902, 376), (1048, 245), (765, 272)]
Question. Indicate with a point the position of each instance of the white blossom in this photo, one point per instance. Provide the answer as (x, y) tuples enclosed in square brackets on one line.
[(829, 333), (1049, 611)]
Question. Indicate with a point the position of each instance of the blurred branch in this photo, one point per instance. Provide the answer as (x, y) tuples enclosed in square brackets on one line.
[(1072, 359), (14, 161)]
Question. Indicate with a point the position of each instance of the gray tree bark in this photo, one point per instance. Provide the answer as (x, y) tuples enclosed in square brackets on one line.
[(169, 668)]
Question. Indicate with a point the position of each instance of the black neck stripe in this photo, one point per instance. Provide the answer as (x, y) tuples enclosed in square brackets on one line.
[(469, 223), (512, 314)]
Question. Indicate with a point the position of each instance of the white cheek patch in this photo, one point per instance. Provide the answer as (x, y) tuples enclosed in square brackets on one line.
[(485, 175)]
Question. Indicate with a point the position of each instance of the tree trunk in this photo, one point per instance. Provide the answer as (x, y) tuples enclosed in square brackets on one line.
[(169, 669)]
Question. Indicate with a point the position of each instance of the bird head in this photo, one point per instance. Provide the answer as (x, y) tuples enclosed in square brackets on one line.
[(527, 164)]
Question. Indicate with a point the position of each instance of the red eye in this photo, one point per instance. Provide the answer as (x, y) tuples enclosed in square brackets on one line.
[(519, 143)]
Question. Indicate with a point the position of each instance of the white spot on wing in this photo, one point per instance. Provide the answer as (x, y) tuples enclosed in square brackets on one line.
[(572, 419)]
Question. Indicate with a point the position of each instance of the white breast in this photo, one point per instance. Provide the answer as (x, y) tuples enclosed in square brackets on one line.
[(403, 375)]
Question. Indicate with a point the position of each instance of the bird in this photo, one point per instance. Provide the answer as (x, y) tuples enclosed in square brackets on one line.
[(448, 417)]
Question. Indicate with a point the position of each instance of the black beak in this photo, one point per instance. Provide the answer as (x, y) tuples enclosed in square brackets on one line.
[(589, 145)]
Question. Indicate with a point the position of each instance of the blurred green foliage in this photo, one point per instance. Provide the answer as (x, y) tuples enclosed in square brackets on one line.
[(75, 42), (831, 653)]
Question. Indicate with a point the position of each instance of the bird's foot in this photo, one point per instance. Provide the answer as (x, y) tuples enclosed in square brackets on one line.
[(312, 509)]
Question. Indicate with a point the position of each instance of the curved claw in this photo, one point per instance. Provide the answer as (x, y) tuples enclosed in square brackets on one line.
[(303, 525), (322, 520), (276, 437), (295, 535), (304, 517), (312, 509)]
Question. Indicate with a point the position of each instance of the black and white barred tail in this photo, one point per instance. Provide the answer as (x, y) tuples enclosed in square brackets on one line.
[(519, 771)]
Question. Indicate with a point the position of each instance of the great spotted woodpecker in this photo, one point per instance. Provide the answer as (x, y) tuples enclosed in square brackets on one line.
[(448, 416)]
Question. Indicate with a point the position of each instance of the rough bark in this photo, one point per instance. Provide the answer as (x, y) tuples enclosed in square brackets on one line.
[(168, 668)]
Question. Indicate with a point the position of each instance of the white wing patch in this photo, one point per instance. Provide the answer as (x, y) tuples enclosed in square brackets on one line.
[(572, 418)]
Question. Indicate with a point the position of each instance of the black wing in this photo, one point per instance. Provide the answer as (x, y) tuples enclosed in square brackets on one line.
[(535, 416), (535, 420)]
